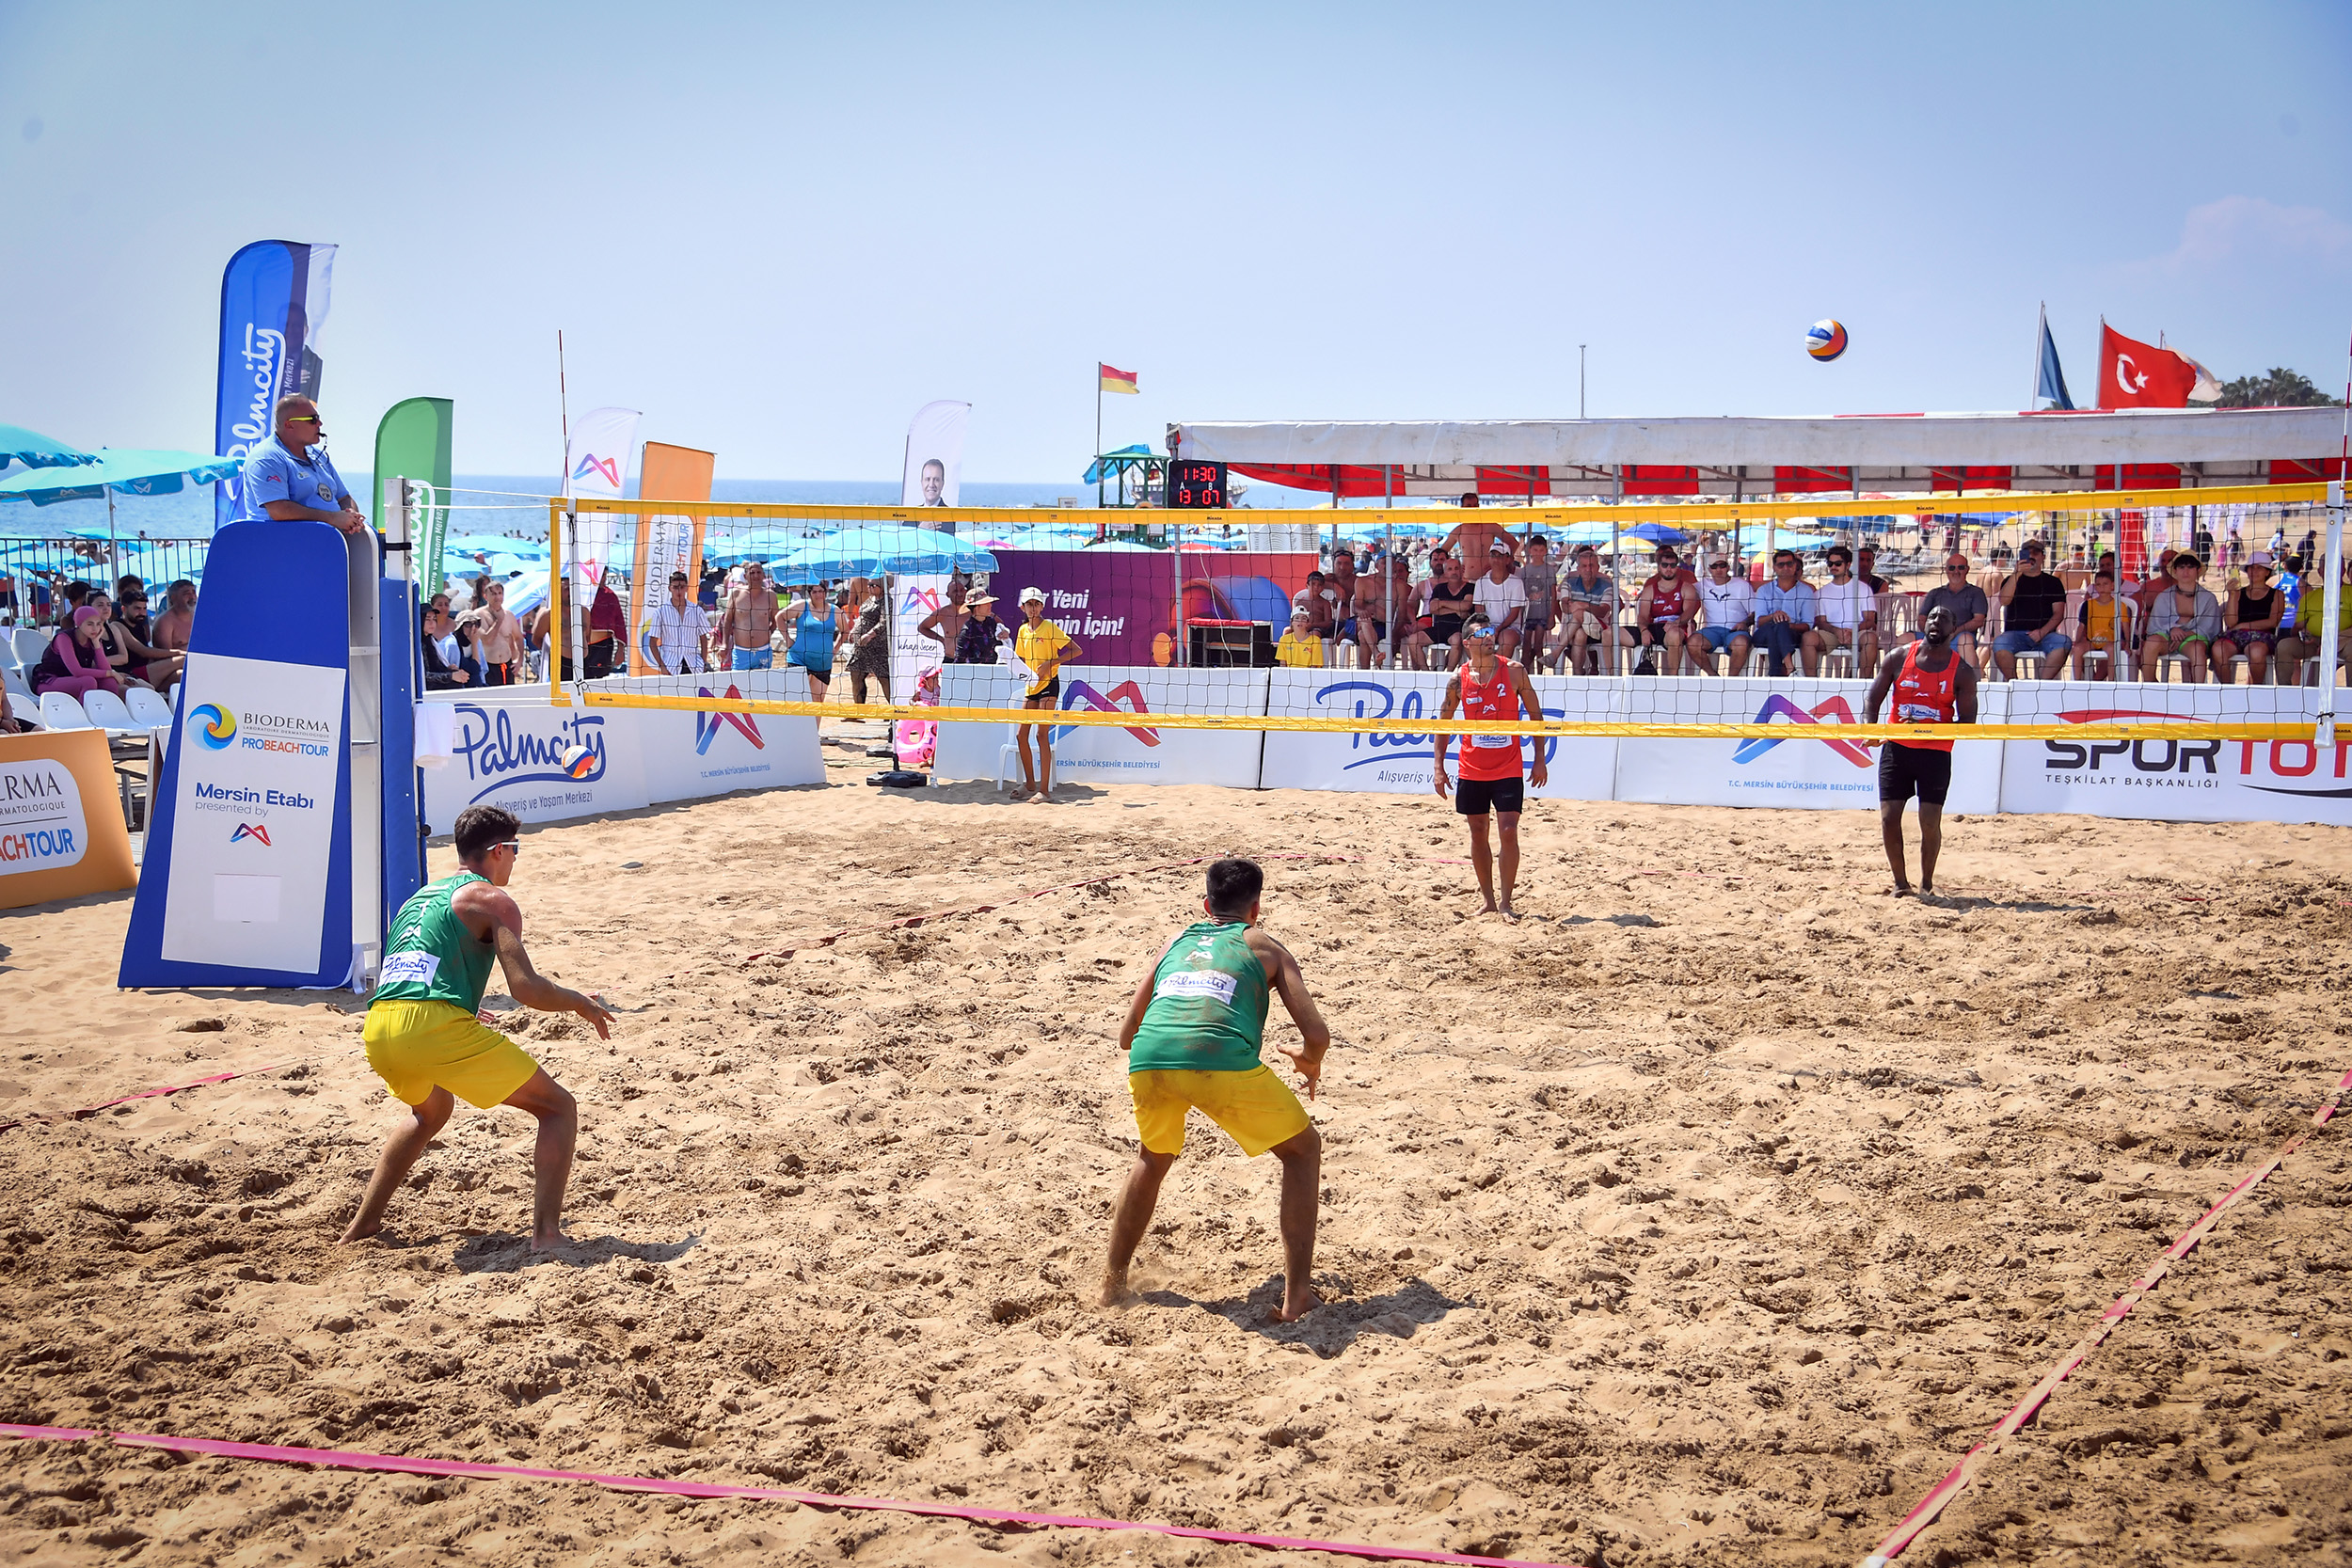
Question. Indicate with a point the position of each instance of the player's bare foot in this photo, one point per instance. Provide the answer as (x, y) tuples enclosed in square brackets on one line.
[(1510, 915), (1115, 1291), (1295, 1304), (355, 1234), (550, 1241), (1902, 890), (1490, 907)]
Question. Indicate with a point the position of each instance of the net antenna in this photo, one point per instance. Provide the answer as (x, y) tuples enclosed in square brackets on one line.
[(563, 630), (2324, 726)]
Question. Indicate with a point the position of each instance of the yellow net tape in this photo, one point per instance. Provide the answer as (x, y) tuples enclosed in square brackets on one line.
[(1698, 509), (1059, 718)]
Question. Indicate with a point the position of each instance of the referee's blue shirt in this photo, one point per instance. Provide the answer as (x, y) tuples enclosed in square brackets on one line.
[(275, 472)]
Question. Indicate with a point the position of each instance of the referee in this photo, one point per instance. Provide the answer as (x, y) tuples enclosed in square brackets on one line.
[(1932, 685)]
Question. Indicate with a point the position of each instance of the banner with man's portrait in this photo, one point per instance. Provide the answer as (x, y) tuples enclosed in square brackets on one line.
[(935, 470)]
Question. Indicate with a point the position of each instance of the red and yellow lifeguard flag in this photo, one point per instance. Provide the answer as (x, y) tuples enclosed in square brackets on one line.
[(1116, 381)]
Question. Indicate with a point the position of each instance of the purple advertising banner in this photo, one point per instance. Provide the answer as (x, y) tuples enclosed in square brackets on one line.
[(1119, 604)]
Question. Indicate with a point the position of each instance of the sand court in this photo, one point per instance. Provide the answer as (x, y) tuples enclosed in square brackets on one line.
[(1709, 1214)]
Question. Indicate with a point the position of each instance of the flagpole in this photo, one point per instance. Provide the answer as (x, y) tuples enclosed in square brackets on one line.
[(1098, 435), (2040, 332)]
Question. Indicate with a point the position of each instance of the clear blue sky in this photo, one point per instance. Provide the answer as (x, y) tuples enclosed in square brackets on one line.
[(779, 229)]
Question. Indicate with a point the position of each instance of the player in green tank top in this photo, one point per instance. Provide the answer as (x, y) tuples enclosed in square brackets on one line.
[(425, 1042), (430, 955), (1193, 1035)]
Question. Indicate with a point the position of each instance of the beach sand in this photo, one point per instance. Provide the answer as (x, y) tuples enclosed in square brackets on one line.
[(1709, 1215)]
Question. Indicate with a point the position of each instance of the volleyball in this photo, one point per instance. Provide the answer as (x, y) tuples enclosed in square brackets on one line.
[(1826, 340), (577, 761)]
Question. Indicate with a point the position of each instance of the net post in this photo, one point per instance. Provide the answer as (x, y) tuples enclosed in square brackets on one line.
[(2332, 595), (557, 558)]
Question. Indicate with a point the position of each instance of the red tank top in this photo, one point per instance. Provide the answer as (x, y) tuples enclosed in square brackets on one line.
[(1926, 696), (1490, 756), (1665, 598)]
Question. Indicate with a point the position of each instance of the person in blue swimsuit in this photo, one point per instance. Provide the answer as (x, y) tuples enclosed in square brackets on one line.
[(813, 631)]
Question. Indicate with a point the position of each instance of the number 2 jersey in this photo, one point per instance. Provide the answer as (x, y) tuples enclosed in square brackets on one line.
[(1486, 757)]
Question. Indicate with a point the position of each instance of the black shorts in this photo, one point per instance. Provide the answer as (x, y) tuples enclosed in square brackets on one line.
[(1903, 770), (1050, 694), (1443, 628), (1477, 797)]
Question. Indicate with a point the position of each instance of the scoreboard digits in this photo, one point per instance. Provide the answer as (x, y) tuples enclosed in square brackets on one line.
[(1197, 485)]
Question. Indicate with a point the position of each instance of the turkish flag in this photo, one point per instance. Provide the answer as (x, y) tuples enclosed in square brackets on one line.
[(2134, 375)]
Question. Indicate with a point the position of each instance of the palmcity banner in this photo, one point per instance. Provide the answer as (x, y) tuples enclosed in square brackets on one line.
[(274, 296)]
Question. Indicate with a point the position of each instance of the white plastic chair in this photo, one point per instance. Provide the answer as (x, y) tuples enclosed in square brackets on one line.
[(111, 714), (31, 643), (147, 710), (59, 711), (19, 691), (1008, 758)]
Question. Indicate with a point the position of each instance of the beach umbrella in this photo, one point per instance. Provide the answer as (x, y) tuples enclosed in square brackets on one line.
[(36, 451), (1657, 533), (867, 552), (132, 471), (1120, 547)]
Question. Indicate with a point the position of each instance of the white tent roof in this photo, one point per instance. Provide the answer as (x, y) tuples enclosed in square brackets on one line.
[(1883, 446)]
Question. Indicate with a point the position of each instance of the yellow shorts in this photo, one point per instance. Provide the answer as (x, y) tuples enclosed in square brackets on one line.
[(1256, 1107), (417, 1047)]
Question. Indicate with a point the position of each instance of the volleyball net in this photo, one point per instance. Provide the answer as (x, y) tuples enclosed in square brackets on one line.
[(1709, 618)]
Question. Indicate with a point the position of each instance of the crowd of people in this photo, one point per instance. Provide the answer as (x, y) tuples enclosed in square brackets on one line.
[(110, 642), (1700, 614)]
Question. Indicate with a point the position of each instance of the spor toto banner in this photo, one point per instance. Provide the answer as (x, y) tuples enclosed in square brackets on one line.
[(2176, 780), (274, 296), (1812, 768), (259, 746), (1580, 767)]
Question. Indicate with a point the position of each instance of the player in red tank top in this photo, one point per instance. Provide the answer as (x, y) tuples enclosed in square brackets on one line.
[(1490, 686), (1931, 685)]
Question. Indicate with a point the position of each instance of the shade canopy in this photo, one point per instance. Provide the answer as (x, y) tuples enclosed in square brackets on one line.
[(1652, 458), (131, 473), (36, 451)]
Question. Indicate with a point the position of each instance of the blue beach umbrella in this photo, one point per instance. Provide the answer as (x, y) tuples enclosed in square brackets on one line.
[(36, 451), (865, 552), (131, 470)]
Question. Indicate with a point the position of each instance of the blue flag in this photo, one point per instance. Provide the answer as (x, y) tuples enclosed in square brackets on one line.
[(2051, 383), (273, 303)]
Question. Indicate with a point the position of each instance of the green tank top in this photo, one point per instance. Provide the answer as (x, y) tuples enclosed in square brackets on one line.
[(430, 955), (1207, 1012)]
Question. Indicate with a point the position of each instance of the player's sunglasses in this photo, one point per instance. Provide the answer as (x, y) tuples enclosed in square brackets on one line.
[(302, 418), (513, 846)]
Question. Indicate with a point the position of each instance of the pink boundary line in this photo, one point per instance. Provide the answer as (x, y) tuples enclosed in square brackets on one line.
[(1923, 1513), (276, 1453), (88, 1110)]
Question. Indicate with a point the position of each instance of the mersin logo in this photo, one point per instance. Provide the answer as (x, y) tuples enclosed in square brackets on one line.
[(1127, 692), (1833, 712), (257, 832), (608, 469), (707, 726)]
